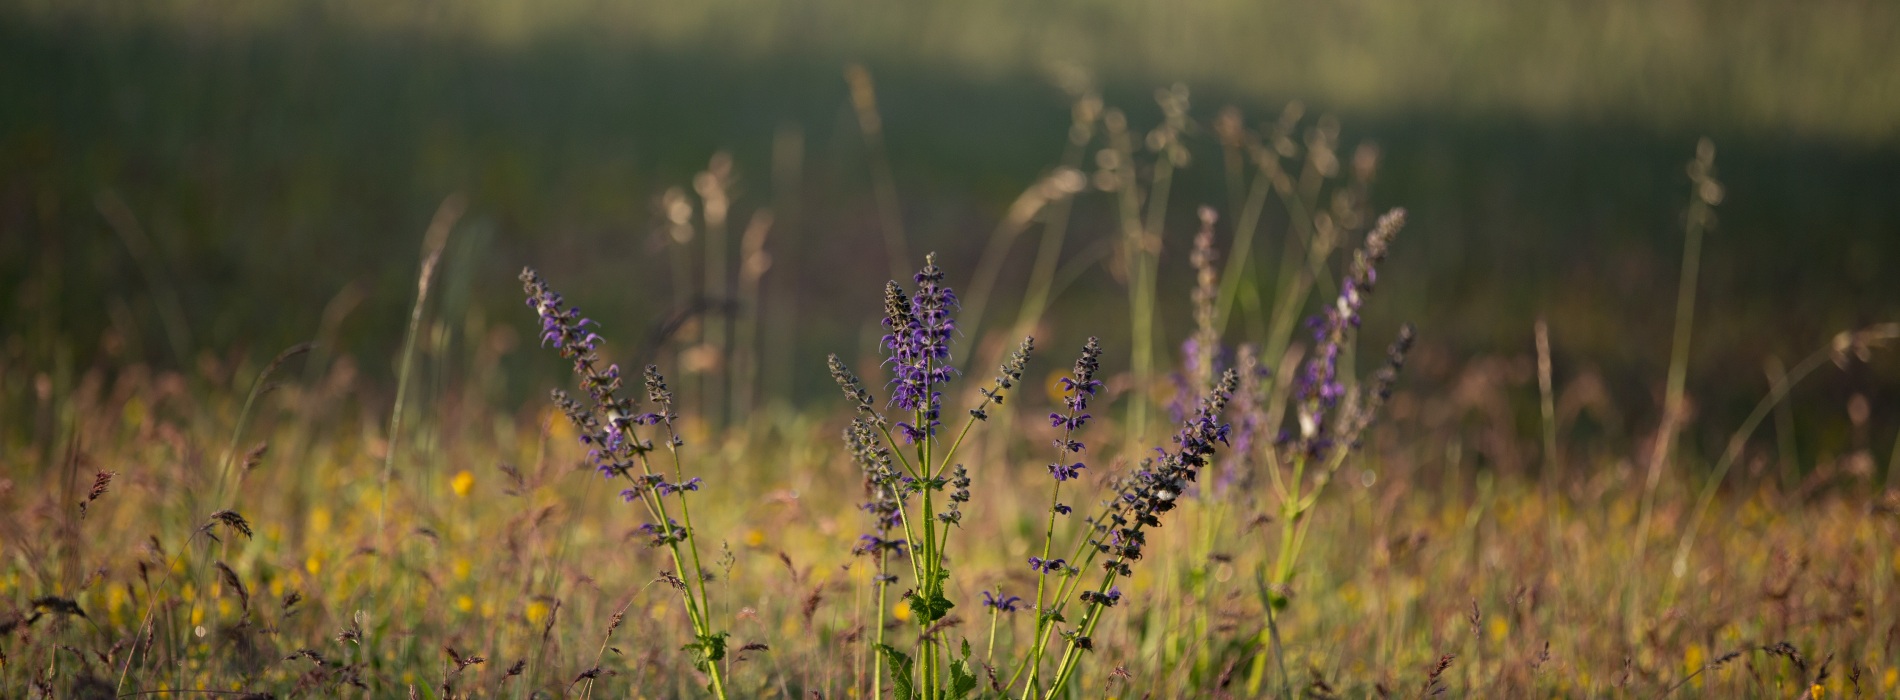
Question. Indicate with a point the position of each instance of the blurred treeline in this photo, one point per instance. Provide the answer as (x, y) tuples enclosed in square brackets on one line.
[(190, 179)]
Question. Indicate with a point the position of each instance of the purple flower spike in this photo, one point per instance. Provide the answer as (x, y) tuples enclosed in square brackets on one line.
[(1319, 386)]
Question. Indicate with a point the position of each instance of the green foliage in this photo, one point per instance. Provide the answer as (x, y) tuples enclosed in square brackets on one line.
[(708, 650), (962, 681), (901, 668)]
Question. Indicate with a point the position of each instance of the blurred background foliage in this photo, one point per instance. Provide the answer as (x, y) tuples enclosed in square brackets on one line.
[(182, 180)]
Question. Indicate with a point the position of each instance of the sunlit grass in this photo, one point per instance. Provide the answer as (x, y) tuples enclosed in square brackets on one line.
[(531, 570)]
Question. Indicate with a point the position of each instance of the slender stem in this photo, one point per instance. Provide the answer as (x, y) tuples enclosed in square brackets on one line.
[(1043, 621), (899, 452), (1042, 577), (694, 613), (1070, 584), (1774, 397), (698, 607), (927, 583), (692, 540), (989, 653), (1244, 231), (1289, 513), (883, 589), (1699, 214), (1072, 653), (944, 464), (926, 588), (434, 240)]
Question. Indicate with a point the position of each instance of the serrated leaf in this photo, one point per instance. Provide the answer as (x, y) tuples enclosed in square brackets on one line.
[(708, 649), (900, 665), (962, 681), (929, 609)]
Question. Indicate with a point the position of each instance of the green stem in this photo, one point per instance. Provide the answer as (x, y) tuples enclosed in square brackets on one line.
[(1072, 653), (1678, 377), (1734, 451), (1086, 555), (989, 653), (1042, 577), (1244, 230), (883, 589)]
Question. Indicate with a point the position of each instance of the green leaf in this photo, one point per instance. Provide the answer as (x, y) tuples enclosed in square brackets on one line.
[(962, 681), (709, 649), (900, 665), (929, 609)]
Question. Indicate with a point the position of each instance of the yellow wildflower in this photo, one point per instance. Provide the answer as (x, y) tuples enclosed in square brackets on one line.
[(461, 483)]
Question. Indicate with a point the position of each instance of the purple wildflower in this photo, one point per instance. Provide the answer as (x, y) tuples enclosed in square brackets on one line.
[(917, 336), (1047, 566), (880, 486), (1320, 388), (666, 534), (910, 385), (1156, 487), (1001, 603), (1080, 386), (605, 428), (1106, 600), (667, 489), (872, 544)]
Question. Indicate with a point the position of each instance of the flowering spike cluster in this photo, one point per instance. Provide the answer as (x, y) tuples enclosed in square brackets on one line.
[(1006, 378), (934, 303), (960, 481), (1205, 343), (908, 382), (662, 399), (1079, 387), (854, 390), (1154, 489), (606, 426), (1249, 419), (880, 490), (1380, 389), (917, 336), (1320, 388)]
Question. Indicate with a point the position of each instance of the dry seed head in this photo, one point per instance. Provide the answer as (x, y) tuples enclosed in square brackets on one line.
[(256, 456), (230, 578), (230, 519)]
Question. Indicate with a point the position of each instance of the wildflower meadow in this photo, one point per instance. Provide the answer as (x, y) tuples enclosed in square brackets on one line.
[(1139, 379)]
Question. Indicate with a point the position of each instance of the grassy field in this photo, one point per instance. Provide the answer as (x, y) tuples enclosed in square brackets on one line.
[(493, 539), (275, 422)]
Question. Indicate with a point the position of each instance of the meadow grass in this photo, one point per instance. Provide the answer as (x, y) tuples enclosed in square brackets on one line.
[(451, 546), (516, 556), (300, 528)]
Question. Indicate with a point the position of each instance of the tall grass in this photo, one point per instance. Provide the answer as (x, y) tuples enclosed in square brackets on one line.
[(1349, 557)]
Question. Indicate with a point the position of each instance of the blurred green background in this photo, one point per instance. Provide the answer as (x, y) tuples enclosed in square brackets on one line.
[(272, 155)]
